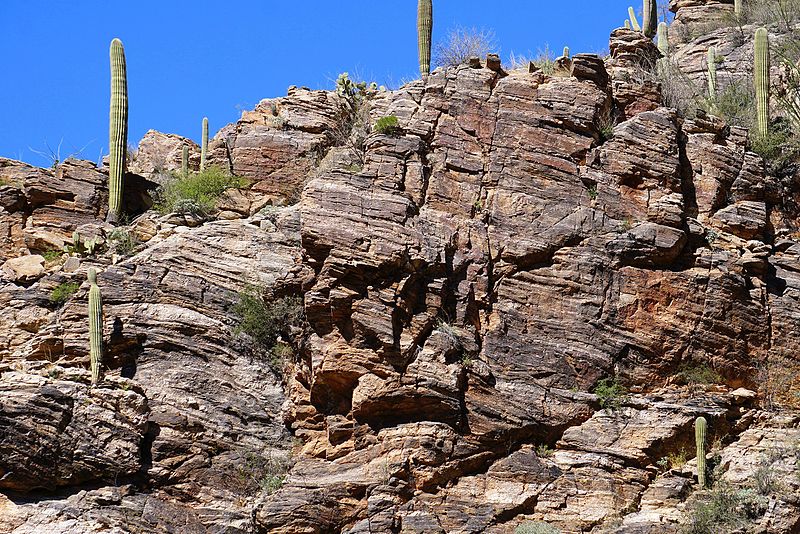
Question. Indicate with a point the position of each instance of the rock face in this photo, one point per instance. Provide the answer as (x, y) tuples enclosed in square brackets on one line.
[(511, 316)]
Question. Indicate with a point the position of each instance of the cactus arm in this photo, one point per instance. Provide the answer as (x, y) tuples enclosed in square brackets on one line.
[(566, 51), (204, 149), (424, 33), (663, 39), (762, 80), (185, 161), (627, 24), (649, 18), (700, 440), (95, 328), (118, 129), (712, 73), (634, 22)]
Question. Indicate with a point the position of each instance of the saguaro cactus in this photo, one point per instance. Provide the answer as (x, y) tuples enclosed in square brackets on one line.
[(118, 130), (663, 39), (649, 18), (185, 161), (738, 7), (566, 51), (424, 33), (204, 147), (627, 24), (762, 80), (95, 328), (634, 22), (700, 441), (712, 74)]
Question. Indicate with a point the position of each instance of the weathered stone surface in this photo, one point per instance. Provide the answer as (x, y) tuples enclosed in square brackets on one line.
[(24, 269), (158, 154), (63, 433)]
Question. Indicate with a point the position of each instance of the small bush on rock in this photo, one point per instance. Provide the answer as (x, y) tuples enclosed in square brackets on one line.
[(195, 193), (724, 509), (610, 393), (536, 527), (461, 44), (388, 125), (63, 292)]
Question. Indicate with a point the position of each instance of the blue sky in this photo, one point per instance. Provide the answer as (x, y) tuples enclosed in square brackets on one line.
[(189, 59)]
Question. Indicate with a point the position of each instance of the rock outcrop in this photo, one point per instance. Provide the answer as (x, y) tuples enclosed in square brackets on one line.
[(512, 314)]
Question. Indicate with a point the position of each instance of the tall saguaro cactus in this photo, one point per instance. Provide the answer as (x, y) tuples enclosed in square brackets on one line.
[(712, 73), (185, 161), (634, 22), (204, 146), (650, 18), (663, 39), (762, 80), (738, 8), (95, 328), (700, 440), (118, 130), (424, 34)]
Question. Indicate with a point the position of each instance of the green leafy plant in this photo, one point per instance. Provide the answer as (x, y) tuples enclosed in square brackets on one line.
[(122, 242), (695, 374), (592, 192), (544, 451), (610, 393), (388, 125), (536, 527), (63, 292), (724, 509), (264, 321), (197, 192), (51, 255)]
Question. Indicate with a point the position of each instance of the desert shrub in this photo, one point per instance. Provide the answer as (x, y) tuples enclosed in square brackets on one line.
[(388, 125), (262, 473), (674, 460), (783, 12), (724, 509), (736, 103), (461, 44), (536, 527), (695, 374), (51, 255), (197, 192), (352, 125), (543, 451), (122, 242), (63, 292), (264, 321), (610, 393)]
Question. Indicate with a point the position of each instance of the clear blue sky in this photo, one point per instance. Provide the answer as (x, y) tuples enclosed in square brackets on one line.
[(187, 59)]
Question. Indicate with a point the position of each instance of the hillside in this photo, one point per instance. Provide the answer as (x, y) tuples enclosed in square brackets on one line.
[(509, 310)]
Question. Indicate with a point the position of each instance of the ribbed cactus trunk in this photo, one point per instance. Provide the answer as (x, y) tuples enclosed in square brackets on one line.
[(204, 146), (762, 80), (627, 24), (738, 8), (118, 130), (95, 328), (185, 161), (700, 440), (650, 18), (712, 74), (566, 51), (424, 34), (663, 39), (634, 22)]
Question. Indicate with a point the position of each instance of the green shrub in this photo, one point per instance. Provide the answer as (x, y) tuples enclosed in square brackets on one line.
[(536, 527), (51, 255), (63, 292), (592, 192), (266, 474), (695, 374), (122, 242), (196, 193), (264, 321), (543, 451), (610, 393), (724, 509), (388, 125)]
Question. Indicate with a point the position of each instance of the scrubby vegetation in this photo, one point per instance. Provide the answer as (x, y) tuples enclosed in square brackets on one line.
[(122, 242), (257, 473), (536, 527), (196, 193), (63, 292), (610, 393), (266, 321), (724, 509), (388, 125), (461, 44)]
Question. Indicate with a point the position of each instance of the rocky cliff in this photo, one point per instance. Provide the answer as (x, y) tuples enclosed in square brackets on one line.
[(467, 285)]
